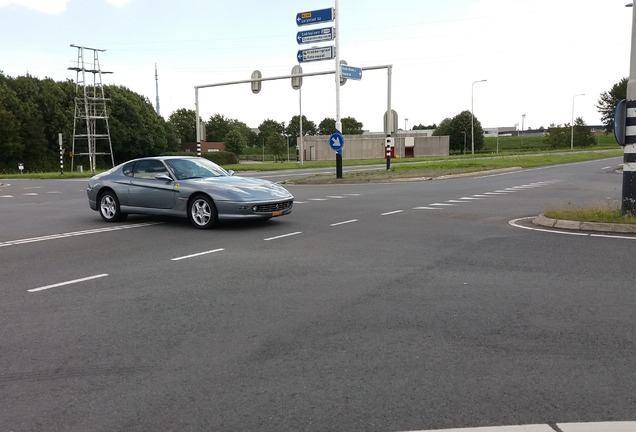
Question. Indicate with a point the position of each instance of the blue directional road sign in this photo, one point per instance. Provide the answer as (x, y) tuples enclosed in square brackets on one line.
[(317, 35), (316, 54), (315, 17), (350, 72), (336, 141)]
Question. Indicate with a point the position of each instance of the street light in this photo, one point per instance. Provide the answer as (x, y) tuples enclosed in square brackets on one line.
[(406, 120), (472, 116), (572, 134), (464, 132)]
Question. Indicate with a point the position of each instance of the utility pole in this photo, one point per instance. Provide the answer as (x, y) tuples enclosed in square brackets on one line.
[(629, 156)]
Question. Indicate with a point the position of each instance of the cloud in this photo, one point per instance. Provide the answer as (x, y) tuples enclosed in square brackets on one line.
[(51, 7)]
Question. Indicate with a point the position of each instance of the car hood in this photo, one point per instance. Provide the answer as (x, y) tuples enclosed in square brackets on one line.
[(243, 187)]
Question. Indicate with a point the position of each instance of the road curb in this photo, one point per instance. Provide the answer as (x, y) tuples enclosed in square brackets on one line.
[(541, 220)]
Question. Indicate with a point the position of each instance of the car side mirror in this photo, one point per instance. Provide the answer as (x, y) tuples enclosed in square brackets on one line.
[(164, 177), (231, 172)]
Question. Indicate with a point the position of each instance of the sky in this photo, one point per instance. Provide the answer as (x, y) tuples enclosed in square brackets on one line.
[(544, 59)]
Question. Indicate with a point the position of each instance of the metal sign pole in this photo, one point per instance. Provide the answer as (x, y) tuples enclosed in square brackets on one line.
[(338, 74), (300, 126)]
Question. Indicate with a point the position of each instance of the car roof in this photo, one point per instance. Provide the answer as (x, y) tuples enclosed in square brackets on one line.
[(166, 158)]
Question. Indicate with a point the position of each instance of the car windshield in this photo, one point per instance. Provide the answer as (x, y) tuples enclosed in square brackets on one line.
[(195, 168)]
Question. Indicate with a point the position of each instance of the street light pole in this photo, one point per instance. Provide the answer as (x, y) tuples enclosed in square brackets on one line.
[(572, 134), (472, 116), (464, 152)]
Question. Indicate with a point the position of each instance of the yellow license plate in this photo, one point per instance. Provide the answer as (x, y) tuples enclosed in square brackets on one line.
[(277, 213)]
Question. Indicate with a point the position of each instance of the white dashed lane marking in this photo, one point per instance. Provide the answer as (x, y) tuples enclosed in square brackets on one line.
[(283, 236), (67, 283), (391, 212), (344, 222), (197, 254), (486, 195)]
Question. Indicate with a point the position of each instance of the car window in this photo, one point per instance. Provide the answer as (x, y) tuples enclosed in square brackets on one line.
[(191, 168), (149, 169), (127, 169), (183, 169)]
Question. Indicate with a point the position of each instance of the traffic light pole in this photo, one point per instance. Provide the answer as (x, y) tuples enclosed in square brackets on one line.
[(293, 76)]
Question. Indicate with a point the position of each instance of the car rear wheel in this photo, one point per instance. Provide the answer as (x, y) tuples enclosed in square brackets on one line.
[(109, 207), (202, 212)]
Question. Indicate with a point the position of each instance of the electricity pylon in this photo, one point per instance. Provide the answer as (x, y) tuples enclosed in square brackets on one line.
[(90, 126)]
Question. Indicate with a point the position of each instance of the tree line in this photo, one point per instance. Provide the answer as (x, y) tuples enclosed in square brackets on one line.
[(34, 111), (275, 136)]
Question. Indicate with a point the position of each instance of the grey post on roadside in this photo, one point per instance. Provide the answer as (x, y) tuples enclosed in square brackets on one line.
[(629, 155)]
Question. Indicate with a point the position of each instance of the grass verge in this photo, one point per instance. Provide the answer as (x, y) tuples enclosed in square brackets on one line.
[(429, 169), (592, 215), (400, 168)]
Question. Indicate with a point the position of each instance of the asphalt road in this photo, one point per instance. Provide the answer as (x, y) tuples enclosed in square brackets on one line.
[(384, 307)]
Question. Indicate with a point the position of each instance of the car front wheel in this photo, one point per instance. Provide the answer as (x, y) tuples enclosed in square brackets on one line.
[(202, 212), (109, 207)]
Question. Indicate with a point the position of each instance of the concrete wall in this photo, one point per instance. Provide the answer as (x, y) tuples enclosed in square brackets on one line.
[(371, 146)]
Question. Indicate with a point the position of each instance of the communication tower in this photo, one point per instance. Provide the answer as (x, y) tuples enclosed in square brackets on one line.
[(91, 134)]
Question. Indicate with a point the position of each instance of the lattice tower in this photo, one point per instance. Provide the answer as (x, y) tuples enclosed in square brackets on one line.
[(91, 133)]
